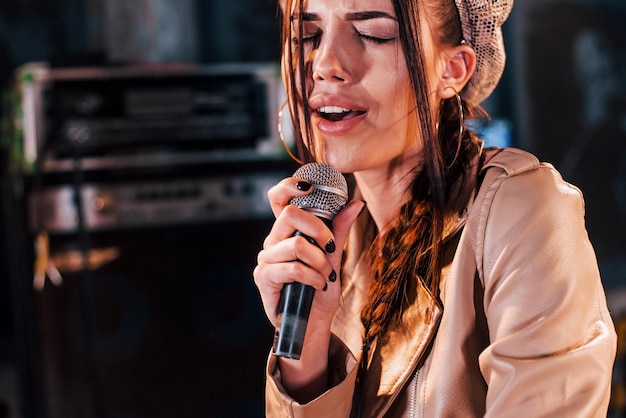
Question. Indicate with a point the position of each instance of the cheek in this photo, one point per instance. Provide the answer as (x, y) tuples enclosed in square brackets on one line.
[(403, 116), (398, 99), (398, 89)]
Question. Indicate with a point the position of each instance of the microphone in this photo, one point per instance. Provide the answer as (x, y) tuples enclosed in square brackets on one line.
[(328, 196)]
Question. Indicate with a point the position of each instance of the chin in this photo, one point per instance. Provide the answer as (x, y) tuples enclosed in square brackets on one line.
[(345, 164)]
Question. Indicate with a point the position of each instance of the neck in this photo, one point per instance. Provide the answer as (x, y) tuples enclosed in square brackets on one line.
[(385, 190)]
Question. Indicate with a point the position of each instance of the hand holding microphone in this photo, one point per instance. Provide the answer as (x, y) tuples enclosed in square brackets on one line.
[(328, 196)]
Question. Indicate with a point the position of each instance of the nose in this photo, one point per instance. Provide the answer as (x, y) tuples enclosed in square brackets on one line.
[(332, 59)]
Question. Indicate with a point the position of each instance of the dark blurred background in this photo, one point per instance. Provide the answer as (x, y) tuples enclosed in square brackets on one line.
[(156, 313)]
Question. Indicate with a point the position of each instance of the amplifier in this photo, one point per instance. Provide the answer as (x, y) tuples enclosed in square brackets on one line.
[(153, 203), (109, 114)]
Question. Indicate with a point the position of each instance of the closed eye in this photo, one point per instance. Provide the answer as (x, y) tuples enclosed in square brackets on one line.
[(309, 37), (376, 39)]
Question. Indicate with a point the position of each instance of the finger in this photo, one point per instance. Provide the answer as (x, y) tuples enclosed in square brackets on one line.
[(275, 276), (342, 224), (270, 279), (280, 194), (294, 219), (302, 262)]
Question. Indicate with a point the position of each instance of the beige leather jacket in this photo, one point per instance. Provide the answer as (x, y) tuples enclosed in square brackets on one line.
[(521, 328)]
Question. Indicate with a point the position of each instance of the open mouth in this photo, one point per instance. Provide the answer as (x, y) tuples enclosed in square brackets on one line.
[(336, 113)]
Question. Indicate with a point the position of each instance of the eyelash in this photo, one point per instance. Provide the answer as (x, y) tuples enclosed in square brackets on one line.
[(375, 39), (368, 38)]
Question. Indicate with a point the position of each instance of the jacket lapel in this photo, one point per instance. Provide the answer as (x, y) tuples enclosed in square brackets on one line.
[(392, 365)]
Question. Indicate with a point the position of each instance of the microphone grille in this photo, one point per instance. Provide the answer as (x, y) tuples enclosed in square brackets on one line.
[(330, 190)]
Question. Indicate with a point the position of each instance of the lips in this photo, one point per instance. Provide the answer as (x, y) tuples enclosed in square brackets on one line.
[(334, 114)]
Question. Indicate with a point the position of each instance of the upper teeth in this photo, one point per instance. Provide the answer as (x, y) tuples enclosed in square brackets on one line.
[(333, 109)]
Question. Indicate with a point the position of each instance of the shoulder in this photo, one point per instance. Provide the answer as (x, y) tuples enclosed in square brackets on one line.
[(527, 217), (518, 174), (510, 160), (517, 192)]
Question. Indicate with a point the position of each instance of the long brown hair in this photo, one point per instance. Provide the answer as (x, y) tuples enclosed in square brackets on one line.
[(412, 248)]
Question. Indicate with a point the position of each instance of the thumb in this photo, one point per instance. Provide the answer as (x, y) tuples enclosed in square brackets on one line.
[(344, 220)]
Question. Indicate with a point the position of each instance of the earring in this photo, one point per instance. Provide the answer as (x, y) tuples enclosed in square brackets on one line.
[(282, 136), (461, 124)]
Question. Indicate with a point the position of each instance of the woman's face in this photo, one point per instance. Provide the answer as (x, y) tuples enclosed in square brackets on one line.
[(360, 96)]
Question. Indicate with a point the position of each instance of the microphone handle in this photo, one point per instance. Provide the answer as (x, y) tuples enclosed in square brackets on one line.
[(294, 308)]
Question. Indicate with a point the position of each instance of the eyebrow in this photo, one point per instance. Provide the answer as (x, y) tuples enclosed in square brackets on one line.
[(366, 15)]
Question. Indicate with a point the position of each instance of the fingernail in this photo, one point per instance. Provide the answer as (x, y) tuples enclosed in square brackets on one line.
[(333, 276), (303, 186), (330, 246), (325, 287)]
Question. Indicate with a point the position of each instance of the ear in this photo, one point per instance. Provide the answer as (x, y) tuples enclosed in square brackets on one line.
[(460, 63)]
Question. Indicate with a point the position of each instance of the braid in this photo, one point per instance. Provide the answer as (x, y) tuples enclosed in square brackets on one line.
[(413, 248), (403, 253)]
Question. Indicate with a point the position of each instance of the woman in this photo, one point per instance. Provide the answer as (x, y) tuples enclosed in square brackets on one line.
[(467, 285)]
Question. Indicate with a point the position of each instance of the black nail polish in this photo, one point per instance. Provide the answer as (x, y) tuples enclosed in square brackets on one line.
[(330, 246), (303, 186), (325, 287), (333, 276)]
